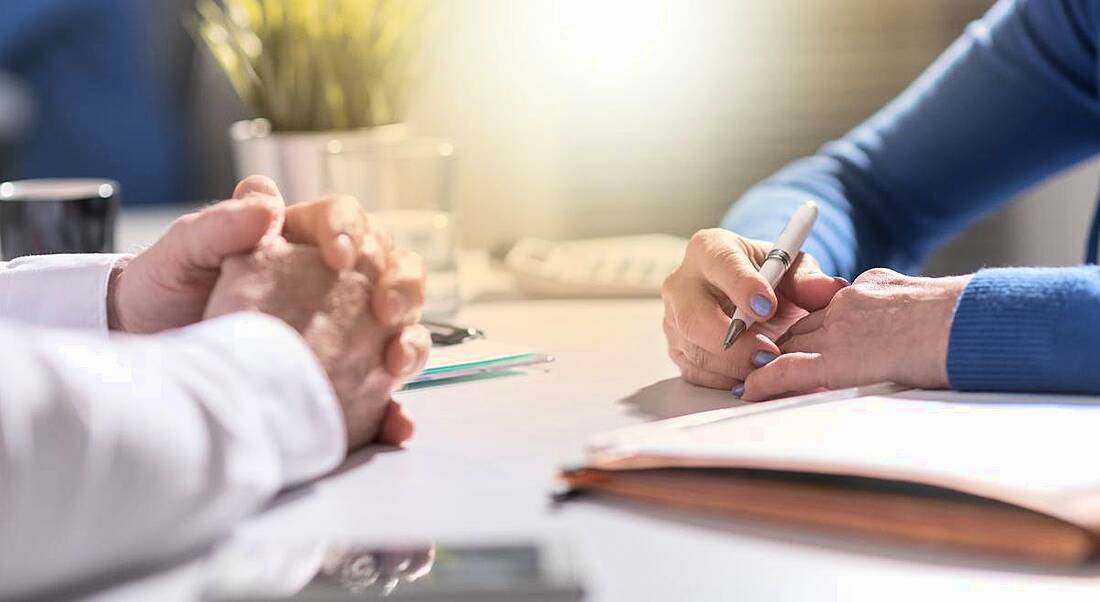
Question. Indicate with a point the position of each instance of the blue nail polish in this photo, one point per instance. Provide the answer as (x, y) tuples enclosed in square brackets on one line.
[(762, 358), (738, 390), (760, 305)]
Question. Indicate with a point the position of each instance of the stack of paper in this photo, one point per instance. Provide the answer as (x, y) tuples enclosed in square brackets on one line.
[(1014, 474)]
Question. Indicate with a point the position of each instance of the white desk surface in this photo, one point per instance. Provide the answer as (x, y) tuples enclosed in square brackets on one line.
[(481, 466)]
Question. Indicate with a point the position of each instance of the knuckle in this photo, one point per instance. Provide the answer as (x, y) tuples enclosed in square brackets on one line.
[(701, 378), (691, 375), (728, 255), (265, 205), (702, 237), (327, 201), (669, 328), (380, 236), (847, 296), (184, 222), (708, 240), (740, 371), (839, 324), (345, 199), (669, 284), (696, 355), (419, 337), (417, 294), (841, 297), (877, 275), (675, 355)]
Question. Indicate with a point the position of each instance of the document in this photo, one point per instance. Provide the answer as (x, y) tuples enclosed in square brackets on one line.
[(1032, 452)]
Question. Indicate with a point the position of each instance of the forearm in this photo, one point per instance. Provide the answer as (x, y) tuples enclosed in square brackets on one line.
[(1009, 103), (129, 451), (839, 241), (1028, 329)]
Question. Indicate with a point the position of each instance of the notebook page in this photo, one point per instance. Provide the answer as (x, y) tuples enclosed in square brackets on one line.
[(1039, 452)]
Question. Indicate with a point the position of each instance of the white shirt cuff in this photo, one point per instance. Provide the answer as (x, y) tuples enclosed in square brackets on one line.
[(299, 409), (61, 291)]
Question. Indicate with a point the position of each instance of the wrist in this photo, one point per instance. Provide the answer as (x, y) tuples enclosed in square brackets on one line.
[(114, 285), (949, 291)]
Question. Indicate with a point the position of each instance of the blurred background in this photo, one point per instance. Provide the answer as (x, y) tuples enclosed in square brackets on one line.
[(571, 118)]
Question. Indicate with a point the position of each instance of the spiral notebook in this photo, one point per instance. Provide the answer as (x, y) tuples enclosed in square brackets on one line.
[(1006, 474)]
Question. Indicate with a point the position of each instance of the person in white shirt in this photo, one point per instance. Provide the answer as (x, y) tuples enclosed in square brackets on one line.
[(243, 362)]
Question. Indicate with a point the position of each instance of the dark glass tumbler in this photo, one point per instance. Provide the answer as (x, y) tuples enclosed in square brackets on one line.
[(43, 217)]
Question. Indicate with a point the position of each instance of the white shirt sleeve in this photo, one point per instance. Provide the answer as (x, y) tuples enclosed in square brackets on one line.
[(125, 451), (64, 291)]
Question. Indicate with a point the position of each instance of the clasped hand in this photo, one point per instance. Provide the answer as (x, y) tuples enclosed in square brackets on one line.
[(323, 267), (815, 332)]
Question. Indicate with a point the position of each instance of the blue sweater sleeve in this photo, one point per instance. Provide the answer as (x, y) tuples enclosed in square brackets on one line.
[(1011, 102), (1028, 329)]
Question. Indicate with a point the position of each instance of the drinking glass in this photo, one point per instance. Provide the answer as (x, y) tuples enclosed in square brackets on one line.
[(406, 185), (40, 217)]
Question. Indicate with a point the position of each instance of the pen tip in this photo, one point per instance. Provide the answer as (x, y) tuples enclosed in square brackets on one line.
[(736, 328)]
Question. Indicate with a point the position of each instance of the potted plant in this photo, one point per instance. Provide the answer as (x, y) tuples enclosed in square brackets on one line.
[(316, 73)]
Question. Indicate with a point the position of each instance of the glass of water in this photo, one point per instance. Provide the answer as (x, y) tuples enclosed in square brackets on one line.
[(406, 185)]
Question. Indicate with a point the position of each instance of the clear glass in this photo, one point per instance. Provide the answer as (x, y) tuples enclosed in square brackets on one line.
[(406, 184)]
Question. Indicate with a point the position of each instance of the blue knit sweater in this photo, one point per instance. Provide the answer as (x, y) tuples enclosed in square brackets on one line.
[(1010, 103)]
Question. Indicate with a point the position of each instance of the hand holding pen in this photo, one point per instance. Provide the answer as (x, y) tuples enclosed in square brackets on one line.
[(776, 263), (726, 276)]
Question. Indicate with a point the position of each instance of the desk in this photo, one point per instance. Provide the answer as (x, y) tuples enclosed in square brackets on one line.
[(481, 464)]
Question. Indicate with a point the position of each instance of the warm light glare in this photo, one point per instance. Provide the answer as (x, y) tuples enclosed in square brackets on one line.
[(615, 42)]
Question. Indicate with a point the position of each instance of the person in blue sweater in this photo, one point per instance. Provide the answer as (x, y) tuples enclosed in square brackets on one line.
[(97, 109), (1013, 101)]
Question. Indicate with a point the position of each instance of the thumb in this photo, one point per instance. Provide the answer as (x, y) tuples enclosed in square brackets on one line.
[(205, 239), (264, 189), (726, 265), (807, 286)]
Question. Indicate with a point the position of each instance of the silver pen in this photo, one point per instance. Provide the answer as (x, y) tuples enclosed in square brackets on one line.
[(783, 253)]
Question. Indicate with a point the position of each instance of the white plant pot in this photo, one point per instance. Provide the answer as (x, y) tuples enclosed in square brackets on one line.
[(297, 160)]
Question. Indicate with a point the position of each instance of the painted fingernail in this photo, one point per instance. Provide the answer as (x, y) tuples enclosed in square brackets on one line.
[(841, 281), (761, 305), (738, 390), (762, 358)]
